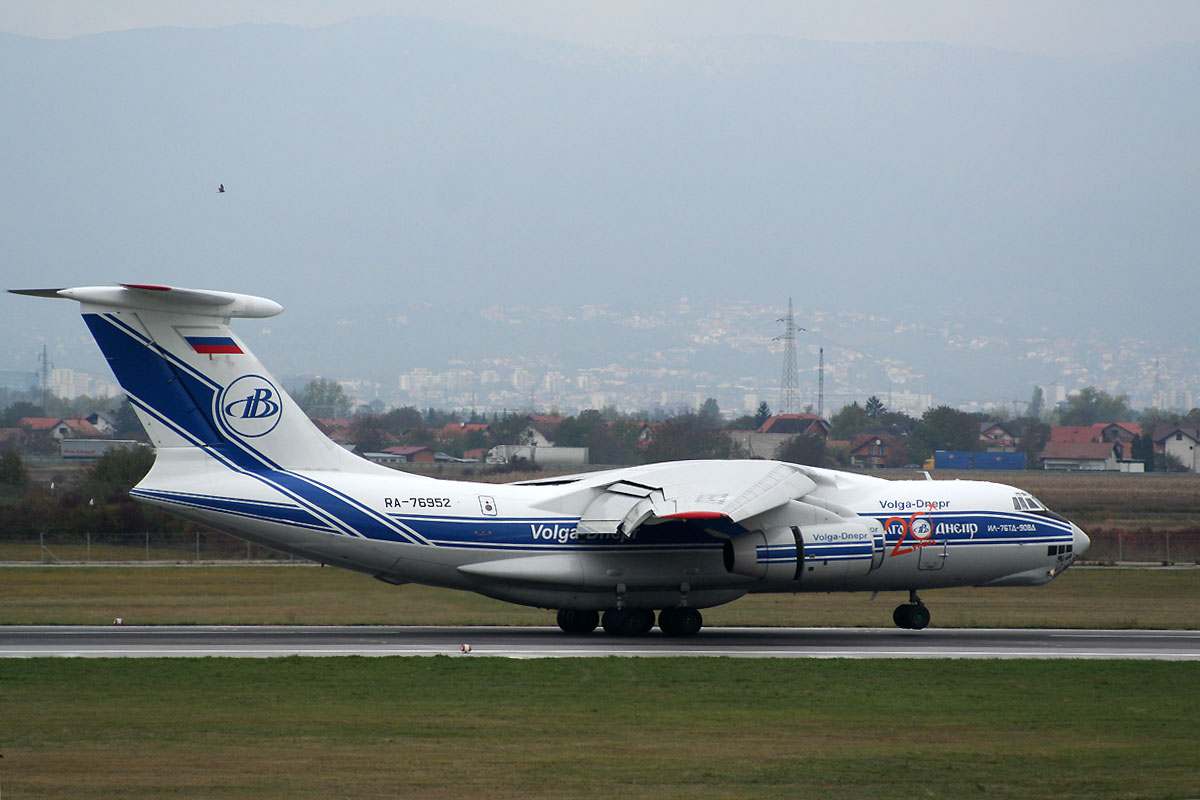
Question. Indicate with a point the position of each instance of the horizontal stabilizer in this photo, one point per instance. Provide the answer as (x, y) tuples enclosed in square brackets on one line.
[(37, 292), (170, 299)]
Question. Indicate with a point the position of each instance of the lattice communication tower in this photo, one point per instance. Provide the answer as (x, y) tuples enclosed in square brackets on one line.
[(787, 383)]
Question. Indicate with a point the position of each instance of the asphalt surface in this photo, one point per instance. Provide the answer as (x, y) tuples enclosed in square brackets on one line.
[(275, 641)]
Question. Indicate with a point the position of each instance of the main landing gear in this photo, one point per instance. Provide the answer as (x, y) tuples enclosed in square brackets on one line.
[(912, 615), (632, 621), (578, 621)]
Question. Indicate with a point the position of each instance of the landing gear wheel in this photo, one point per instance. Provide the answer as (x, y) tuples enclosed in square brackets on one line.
[(627, 621), (572, 621), (918, 617), (679, 621), (911, 616)]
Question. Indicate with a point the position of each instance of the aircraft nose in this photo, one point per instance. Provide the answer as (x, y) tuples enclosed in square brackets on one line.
[(1081, 541)]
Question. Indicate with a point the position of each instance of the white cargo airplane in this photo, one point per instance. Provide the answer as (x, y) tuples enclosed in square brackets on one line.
[(235, 453)]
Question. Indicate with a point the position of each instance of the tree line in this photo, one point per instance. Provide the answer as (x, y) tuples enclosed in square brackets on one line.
[(645, 437)]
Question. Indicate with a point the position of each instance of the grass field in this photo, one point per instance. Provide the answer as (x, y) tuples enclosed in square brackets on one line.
[(604, 728), (597, 728), (1083, 598)]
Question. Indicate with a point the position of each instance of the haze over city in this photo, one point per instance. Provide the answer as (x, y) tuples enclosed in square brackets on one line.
[(962, 204)]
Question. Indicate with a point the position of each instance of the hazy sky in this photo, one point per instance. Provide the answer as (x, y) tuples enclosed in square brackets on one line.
[(1065, 27), (451, 159)]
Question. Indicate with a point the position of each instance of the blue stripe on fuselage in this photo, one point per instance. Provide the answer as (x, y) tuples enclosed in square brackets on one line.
[(251, 509), (150, 377), (976, 528)]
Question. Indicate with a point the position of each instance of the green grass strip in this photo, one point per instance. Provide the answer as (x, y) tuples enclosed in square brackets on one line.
[(598, 728), (1081, 598)]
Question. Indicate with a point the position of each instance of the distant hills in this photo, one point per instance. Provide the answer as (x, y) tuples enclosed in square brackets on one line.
[(384, 169)]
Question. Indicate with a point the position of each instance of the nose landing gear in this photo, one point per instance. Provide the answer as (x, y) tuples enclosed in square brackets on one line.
[(912, 615)]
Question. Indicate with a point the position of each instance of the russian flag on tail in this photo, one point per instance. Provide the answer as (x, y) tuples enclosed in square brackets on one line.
[(210, 345)]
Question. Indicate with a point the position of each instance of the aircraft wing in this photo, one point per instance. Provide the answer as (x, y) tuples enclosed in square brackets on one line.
[(694, 490)]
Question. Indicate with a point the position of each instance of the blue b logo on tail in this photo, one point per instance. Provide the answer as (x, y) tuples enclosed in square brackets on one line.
[(251, 406)]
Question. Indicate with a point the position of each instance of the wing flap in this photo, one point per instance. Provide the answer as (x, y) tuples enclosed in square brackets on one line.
[(734, 490)]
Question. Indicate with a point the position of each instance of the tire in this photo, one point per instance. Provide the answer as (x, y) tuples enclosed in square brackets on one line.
[(680, 621), (627, 621), (911, 616), (918, 617), (578, 622)]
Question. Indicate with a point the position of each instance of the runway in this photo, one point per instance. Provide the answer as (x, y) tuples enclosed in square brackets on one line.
[(510, 642)]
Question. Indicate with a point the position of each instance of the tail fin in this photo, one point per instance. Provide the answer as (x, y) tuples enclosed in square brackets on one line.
[(195, 384)]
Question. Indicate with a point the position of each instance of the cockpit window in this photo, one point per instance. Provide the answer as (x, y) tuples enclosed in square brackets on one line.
[(1027, 502)]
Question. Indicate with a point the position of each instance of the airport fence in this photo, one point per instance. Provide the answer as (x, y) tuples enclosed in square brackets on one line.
[(100, 548), (1145, 546)]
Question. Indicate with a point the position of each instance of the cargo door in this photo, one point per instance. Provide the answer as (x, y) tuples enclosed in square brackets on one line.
[(933, 549)]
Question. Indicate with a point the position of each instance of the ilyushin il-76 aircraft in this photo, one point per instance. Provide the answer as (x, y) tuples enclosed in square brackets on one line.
[(623, 548)]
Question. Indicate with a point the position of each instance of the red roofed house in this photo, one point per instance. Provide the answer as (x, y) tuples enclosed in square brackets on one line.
[(1080, 455), (59, 428), (877, 450), (996, 437), (772, 434), (1072, 446), (1074, 433), (412, 453), (793, 424), (452, 428), (46, 434)]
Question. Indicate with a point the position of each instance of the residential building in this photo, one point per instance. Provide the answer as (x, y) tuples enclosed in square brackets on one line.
[(1180, 441), (1062, 452), (45, 435), (996, 437), (877, 450), (408, 454), (539, 431), (766, 441), (1086, 455)]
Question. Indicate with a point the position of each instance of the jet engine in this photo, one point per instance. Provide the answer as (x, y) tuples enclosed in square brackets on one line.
[(827, 553)]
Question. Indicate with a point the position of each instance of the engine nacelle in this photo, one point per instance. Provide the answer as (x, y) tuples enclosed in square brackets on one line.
[(824, 554), (770, 555), (833, 552)]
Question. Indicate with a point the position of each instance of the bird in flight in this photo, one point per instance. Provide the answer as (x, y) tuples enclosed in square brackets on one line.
[(221, 189)]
